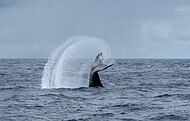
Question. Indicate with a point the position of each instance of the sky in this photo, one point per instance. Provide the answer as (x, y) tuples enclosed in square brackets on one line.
[(133, 28)]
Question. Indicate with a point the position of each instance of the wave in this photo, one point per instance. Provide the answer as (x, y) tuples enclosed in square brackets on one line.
[(170, 117)]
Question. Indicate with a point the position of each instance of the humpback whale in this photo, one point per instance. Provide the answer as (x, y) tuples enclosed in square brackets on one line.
[(97, 66)]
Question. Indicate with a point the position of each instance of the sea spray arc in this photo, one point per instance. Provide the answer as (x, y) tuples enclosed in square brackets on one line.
[(63, 70)]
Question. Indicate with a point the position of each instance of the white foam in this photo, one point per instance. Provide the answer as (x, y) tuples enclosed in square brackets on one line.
[(69, 65)]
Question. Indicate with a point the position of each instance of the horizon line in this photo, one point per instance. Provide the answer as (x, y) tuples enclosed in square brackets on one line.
[(89, 58)]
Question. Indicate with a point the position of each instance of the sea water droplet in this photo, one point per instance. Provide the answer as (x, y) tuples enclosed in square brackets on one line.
[(69, 65)]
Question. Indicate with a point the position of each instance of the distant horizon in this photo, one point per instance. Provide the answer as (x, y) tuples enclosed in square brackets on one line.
[(109, 58)]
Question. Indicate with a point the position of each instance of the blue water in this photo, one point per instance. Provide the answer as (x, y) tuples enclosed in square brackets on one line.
[(135, 90)]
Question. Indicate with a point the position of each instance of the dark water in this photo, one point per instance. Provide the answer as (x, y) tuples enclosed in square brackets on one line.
[(135, 90)]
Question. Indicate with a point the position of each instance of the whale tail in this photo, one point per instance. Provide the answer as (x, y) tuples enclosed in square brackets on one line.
[(97, 66)]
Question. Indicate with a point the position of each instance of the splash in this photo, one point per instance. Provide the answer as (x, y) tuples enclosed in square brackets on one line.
[(69, 65)]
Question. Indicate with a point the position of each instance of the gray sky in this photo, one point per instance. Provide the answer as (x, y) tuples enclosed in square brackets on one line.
[(133, 28)]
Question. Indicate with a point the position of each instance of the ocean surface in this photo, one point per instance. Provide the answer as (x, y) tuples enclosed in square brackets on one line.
[(134, 90)]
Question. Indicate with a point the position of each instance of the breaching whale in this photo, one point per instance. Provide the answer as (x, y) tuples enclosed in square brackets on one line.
[(98, 65)]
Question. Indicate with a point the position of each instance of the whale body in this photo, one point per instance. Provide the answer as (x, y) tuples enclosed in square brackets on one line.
[(97, 66)]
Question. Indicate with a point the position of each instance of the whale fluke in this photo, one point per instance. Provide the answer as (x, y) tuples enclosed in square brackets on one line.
[(97, 66)]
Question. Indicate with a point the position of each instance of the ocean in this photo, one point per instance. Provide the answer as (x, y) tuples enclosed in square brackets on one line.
[(134, 90)]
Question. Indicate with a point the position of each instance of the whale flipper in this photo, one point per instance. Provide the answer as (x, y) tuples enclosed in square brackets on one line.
[(97, 66)]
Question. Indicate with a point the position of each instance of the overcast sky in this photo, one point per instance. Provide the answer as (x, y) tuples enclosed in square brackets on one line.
[(133, 28)]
